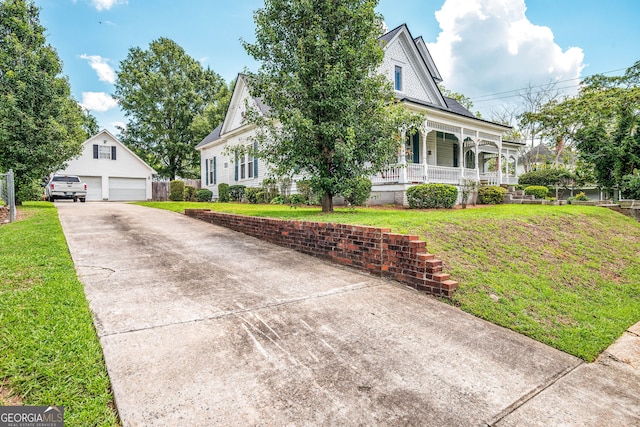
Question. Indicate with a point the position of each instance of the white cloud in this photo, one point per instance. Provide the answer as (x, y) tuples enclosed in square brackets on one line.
[(101, 5), (489, 46), (101, 66), (119, 124), (98, 101)]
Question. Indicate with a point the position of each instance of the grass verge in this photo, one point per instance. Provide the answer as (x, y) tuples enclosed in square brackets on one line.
[(49, 350), (568, 276)]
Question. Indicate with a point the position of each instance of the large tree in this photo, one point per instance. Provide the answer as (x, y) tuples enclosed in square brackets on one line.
[(332, 117), (161, 91), (40, 123), (602, 122), (213, 114)]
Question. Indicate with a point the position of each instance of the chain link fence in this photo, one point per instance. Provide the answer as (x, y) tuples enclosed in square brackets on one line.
[(8, 195)]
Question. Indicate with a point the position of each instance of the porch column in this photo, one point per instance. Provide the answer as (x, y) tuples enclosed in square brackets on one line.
[(403, 159), (500, 161), (424, 129), (461, 153), (477, 156)]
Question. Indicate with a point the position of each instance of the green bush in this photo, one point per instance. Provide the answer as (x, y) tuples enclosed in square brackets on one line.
[(543, 177), (491, 195), (631, 186), (581, 197), (297, 199), (189, 193), (203, 195), (223, 192), (304, 191), (537, 191), (270, 188), (432, 196), (237, 192), (254, 195), (176, 191), (278, 200), (27, 192), (359, 190)]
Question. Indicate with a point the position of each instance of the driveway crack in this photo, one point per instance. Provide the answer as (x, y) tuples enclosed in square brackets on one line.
[(223, 314), (530, 395)]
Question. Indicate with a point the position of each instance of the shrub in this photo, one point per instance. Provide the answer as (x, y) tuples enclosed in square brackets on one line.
[(631, 185), (358, 191), (537, 191), (176, 191), (270, 188), (204, 195), (581, 197), (236, 192), (278, 200), (254, 195), (467, 188), (223, 192), (542, 177), (305, 190), (491, 195), (432, 196), (297, 199), (189, 193)]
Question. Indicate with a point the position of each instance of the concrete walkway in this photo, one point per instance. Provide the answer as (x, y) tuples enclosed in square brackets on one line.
[(203, 326)]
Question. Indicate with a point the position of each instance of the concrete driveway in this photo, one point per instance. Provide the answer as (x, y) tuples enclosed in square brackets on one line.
[(204, 326)]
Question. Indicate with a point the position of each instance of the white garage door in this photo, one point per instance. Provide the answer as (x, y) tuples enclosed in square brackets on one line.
[(127, 189), (94, 187)]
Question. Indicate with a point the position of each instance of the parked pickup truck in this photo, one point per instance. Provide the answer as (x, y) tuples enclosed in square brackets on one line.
[(65, 187)]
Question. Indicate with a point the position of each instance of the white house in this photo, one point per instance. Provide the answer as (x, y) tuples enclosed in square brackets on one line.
[(111, 170), (451, 143)]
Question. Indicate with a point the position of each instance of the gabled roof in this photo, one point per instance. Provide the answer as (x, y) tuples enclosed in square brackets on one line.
[(458, 108), (454, 107), (117, 141), (213, 136), (418, 49), (223, 128), (420, 52), (387, 37), (426, 57)]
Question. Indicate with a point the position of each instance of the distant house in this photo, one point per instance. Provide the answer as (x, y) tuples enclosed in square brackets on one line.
[(111, 170), (451, 144)]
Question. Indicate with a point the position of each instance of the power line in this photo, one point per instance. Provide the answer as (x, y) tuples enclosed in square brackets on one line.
[(477, 98), (515, 95)]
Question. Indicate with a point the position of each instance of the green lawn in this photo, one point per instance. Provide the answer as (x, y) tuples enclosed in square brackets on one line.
[(49, 351), (568, 276)]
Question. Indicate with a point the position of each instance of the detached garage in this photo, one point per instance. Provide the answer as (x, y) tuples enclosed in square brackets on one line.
[(111, 171)]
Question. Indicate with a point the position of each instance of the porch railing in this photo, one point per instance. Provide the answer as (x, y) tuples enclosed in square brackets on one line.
[(443, 174), (420, 173), (415, 172)]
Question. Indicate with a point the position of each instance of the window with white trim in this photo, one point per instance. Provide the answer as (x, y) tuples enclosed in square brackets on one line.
[(104, 152), (398, 78), (212, 170)]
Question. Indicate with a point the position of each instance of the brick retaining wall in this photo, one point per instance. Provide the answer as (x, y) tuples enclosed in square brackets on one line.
[(374, 250)]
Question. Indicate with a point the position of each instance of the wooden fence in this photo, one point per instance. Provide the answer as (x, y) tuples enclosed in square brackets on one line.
[(160, 189)]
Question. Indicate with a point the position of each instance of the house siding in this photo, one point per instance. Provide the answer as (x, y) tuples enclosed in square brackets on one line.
[(414, 83)]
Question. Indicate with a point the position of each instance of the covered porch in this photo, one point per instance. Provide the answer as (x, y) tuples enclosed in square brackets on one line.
[(434, 154)]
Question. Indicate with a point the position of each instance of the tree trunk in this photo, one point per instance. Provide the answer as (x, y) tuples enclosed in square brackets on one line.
[(327, 202)]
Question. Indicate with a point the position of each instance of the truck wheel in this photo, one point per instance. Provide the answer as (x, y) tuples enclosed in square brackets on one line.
[(51, 199), (83, 200), (75, 199)]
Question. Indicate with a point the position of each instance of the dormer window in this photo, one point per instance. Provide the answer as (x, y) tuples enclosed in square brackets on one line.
[(398, 78)]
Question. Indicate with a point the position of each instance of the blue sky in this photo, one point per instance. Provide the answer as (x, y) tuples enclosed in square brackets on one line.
[(481, 47)]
